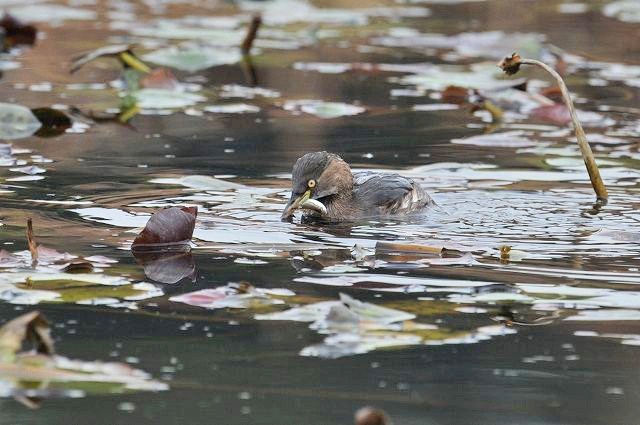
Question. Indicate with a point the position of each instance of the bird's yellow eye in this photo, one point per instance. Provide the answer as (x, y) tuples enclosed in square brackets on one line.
[(311, 183)]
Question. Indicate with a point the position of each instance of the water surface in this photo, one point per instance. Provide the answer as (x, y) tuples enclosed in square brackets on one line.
[(548, 336)]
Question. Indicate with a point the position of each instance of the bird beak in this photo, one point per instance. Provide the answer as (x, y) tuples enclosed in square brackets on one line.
[(303, 202)]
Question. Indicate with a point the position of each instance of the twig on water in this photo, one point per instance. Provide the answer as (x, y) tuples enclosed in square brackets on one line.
[(511, 65), (31, 241), (251, 34)]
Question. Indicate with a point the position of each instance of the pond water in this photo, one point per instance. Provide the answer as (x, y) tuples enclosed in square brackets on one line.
[(548, 335)]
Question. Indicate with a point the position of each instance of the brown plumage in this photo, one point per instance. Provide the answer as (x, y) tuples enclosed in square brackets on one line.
[(337, 194)]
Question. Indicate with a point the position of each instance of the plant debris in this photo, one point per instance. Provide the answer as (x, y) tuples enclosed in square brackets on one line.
[(233, 295), (169, 229), (16, 32), (29, 376)]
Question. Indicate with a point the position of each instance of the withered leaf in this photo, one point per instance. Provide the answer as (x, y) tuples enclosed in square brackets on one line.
[(456, 95), (31, 326), (54, 122), (31, 376), (17, 32), (558, 114), (167, 229), (371, 416), (160, 78), (511, 64)]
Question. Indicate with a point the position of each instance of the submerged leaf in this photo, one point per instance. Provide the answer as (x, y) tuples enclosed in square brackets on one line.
[(170, 226)]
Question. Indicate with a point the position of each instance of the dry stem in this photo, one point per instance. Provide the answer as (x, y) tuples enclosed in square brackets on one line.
[(251, 34), (511, 65), (31, 241)]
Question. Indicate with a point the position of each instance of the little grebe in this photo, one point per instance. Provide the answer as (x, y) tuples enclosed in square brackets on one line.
[(325, 188)]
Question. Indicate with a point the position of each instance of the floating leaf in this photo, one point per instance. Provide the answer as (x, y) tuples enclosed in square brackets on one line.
[(282, 12), (28, 327), (235, 90), (232, 296), (623, 10), (509, 139), (54, 122), (29, 169), (17, 122), (170, 228), (165, 99), (326, 110), (199, 182), (187, 29), (481, 76), (29, 376), (193, 58), (490, 44), (160, 78), (357, 327), (232, 108), (17, 32), (43, 285), (51, 13)]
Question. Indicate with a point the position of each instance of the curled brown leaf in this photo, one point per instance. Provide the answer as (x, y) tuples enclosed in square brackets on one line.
[(167, 229)]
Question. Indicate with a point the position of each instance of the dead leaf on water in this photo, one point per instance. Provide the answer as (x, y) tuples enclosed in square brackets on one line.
[(28, 376), (168, 229), (54, 122), (16, 32), (233, 295)]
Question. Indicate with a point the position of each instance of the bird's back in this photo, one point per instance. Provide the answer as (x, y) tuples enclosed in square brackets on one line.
[(388, 194)]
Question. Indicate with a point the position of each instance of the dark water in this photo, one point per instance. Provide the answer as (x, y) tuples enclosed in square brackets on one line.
[(570, 355)]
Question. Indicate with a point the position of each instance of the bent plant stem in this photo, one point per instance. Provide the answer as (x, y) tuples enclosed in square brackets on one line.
[(252, 33), (511, 65), (248, 69)]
